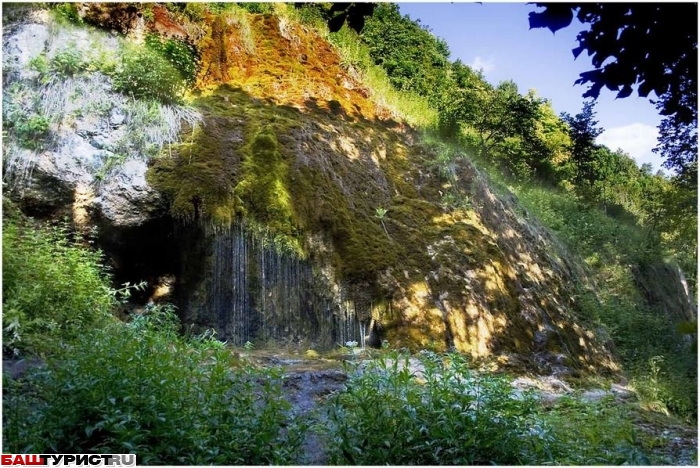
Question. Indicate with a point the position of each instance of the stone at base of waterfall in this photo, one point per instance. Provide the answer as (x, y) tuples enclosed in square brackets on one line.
[(616, 391)]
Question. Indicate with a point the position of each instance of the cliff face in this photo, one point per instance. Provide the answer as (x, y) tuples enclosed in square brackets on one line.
[(291, 205)]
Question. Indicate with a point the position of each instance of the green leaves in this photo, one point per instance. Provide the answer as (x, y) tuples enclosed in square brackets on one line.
[(142, 388), (414, 59), (162, 70), (146, 74), (450, 416), (180, 55), (53, 288), (433, 410)]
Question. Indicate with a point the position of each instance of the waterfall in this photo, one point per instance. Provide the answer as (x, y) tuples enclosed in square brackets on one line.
[(270, 298)]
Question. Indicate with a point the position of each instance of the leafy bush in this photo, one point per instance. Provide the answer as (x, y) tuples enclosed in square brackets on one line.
[(144, 73), (68, 62), (178, 53), (39, 64), (452, 416), (53, 288), (456, 417), (31, 130), (140, 388)]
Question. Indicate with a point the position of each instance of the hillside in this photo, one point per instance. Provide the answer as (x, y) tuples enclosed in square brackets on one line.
[(247, 168)]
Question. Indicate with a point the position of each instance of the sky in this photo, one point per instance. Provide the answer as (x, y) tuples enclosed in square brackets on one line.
[(496, 38)]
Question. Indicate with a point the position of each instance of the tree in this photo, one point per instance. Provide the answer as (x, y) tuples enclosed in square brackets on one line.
[(413, 58), (678, 140), (583, 131), (652, 46), (549, 148), (504, 113), (458, 100)]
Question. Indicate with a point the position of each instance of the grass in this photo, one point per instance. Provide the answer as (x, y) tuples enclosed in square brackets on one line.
[(409, 107)]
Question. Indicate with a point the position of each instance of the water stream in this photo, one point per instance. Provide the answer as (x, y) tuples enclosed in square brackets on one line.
[(265, 297)]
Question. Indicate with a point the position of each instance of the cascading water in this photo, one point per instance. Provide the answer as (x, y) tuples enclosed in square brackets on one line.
[(266, 297)]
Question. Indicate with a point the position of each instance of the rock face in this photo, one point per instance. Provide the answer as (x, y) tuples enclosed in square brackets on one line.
[(126, 199), (84, 157), (352, 231)]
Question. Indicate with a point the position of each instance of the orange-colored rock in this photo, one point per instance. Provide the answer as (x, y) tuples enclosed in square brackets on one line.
[(281, 61), (164, 25)]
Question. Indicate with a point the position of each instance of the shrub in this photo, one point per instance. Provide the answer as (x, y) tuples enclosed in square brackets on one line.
[(144, 73), (178, 53), (456, 417), (31, 130), (140, 388), (450, 415), (40, 64), (53, 289), (68, 63)]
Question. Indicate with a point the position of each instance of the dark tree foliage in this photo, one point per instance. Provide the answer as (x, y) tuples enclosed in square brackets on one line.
[(652, 46), (353, 14), (678, 138), (583, 131)]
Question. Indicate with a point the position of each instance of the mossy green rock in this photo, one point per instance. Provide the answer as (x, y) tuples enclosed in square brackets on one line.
[(432, 275)]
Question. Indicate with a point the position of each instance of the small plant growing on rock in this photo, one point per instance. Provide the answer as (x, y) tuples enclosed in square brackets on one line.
[(381, 214), (68, 63), (32, 131), (144, 73)]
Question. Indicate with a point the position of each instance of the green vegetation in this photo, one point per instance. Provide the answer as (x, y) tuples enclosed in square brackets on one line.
[(146, 74), (413, 58), (178, 53), (141, 388), (66, 12), (448, 414), (404, 104), (621, 220), (264, 187), (54, 289), (68, 62), (180, 399)]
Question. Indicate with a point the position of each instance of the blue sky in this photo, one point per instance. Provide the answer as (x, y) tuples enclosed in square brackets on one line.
[(496, 38)]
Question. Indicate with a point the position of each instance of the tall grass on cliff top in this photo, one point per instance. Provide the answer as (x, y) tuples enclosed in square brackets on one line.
[(412, 108)]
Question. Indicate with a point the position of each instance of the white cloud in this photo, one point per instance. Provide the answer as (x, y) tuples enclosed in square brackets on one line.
[(636, 139), (483, 65)]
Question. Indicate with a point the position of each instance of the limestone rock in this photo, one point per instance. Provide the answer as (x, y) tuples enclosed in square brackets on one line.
[(19, 48), (125, 198)]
